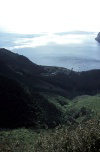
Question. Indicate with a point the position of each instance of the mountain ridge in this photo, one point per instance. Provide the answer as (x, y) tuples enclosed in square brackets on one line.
[(49, 79), (44, 91)]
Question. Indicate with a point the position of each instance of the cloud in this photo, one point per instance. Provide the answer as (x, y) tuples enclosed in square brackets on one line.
[(34, 16), (49, 39)]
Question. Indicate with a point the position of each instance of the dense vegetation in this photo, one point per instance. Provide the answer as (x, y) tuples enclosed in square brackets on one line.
[(41, 98), (19, 107), (14, 103), (83, 138)]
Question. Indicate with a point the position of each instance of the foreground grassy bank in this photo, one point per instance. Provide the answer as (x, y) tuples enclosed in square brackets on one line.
[(82, 134), (82, 138)]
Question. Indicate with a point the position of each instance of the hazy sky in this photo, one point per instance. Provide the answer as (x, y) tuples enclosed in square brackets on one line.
[(34, 16)]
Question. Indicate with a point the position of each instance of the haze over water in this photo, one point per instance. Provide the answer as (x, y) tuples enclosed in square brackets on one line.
[(77, 50)]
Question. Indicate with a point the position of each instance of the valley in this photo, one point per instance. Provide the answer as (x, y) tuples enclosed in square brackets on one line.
[(35, 100)]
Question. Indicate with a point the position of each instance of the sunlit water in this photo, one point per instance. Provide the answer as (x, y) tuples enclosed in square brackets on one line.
[(79, 51)]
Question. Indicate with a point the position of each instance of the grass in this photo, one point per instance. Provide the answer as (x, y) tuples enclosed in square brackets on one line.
[(17, 140), (57, 100), (89, 102), (73, 107)]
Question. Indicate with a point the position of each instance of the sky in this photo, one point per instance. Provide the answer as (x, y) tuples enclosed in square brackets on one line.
[(51, 16)]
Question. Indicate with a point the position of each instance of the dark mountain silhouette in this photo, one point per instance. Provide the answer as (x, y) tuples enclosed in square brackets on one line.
[(48, 79), (23, 83), (98, 37)]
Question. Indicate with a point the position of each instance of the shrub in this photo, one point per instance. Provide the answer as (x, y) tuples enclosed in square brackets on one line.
[(84, 138)]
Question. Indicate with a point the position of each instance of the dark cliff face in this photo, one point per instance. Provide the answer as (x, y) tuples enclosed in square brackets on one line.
[(98, 37)]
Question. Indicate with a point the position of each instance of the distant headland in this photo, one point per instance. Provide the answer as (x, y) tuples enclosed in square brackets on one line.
[(98, 37)]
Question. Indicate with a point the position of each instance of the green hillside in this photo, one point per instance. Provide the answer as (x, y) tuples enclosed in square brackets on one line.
[(79, 109), (47, 109), (83, 108), (90, 102)]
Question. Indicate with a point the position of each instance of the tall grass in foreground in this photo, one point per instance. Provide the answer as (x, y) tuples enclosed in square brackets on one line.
[(84, 138)]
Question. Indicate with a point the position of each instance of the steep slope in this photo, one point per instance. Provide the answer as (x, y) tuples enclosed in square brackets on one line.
[(14, 104), (23, 70), (20, 107), (19, 62), (31, 95)]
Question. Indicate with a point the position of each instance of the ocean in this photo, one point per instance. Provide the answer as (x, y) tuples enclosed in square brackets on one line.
[(73, 50)]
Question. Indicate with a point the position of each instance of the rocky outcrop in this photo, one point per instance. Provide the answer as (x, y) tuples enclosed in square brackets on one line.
[(98, 37)]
